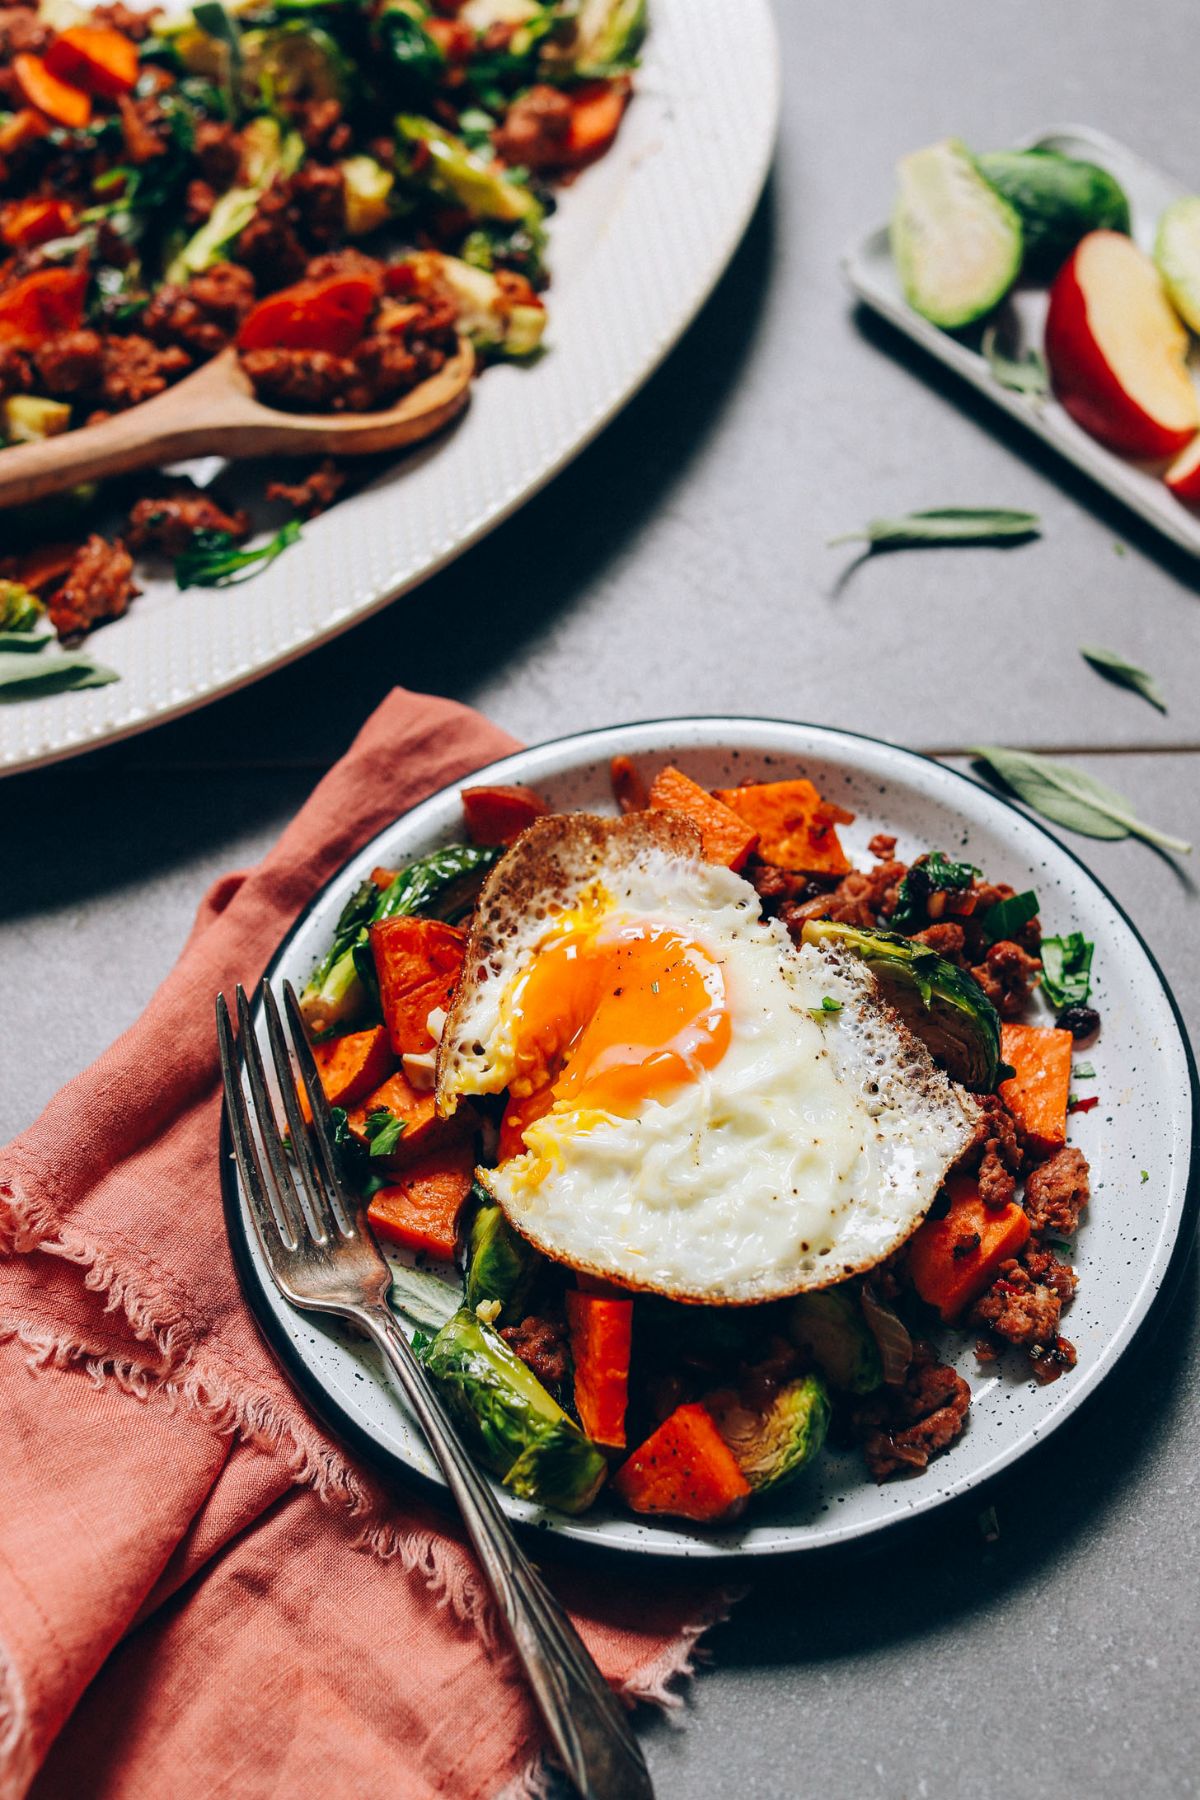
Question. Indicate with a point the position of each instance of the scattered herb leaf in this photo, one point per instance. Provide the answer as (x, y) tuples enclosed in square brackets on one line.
[(1084, 1072), (1007, 917), (1026, 374), (828, 1005), (930, 874), (1145, 1176), (1069, 797), (1125, 674), (1067, 970), (214, 560), (384, 1131), (945, 525)]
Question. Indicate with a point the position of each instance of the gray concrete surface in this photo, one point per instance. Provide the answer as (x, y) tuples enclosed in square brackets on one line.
[(681, 566)]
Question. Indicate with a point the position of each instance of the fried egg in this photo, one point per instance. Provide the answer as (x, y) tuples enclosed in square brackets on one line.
[(696, 1105)]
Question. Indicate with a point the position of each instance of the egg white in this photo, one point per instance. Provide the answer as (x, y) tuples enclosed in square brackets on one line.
[(808, 1152)]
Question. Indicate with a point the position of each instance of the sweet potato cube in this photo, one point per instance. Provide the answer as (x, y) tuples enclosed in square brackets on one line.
[(952, 1260), (601, 1332), (796, 828), (420, 1210), (417, 964), (685, 1468), (1038, 1093), (350, 1067), (724, 837), (424, 1132)]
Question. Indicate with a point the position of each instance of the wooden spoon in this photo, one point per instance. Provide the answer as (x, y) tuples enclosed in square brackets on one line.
[(214, 412)]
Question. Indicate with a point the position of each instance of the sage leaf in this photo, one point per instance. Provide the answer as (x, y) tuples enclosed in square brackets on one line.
[(946, 525), (1125, 674), (1025, 374), (23, 676), (1067, 796)]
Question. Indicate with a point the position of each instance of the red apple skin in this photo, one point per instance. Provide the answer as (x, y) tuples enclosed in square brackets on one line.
[(1087, 387), (1183, 477)]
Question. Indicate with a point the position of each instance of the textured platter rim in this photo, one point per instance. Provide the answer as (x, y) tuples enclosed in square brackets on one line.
[(1124, 480), (625, 350), (1176, 1218)]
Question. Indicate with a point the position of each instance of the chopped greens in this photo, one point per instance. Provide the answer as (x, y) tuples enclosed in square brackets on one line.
[(1007, 917), (930, 874), (20, 609), (213, 559), (1066, 970), (384, 1131), (828, 1005)]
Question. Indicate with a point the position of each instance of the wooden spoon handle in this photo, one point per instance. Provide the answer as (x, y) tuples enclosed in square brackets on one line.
[(187, 420)]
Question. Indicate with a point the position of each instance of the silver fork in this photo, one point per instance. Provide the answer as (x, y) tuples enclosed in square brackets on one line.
[(323, 1257)]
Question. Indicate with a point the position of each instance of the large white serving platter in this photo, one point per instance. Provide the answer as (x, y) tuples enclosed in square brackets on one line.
[(1135, 1234), (636, 246), (871, 272)]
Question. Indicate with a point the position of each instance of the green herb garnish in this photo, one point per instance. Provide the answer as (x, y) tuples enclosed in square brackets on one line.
[(1007, 917), (828, 1005), (214, 560), (1067, 796), (930, 874), (1066, 970), (384, 1130)]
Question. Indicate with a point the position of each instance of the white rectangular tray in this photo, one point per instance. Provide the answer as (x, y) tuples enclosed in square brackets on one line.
[(869, 269)]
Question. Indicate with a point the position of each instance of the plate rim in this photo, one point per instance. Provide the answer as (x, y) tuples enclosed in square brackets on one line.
[(347, 1430), (70, 744)]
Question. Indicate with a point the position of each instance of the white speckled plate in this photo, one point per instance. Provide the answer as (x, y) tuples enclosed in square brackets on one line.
[(1135, 1233), (636, 246)]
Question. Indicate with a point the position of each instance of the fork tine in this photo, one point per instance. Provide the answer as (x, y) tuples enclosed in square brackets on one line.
[(322, 1222), (322, 1122), (291, 1215), (254, 1185)]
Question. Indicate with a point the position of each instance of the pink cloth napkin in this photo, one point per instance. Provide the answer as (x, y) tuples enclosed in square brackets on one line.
[(201, 1593)]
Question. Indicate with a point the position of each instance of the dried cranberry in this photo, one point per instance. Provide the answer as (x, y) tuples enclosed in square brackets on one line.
[(1081, 1021)]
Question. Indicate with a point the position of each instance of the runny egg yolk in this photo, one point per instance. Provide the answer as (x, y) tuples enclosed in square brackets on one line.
[(608, 1018)]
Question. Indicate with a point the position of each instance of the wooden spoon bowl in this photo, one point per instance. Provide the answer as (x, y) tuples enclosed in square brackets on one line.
[(214, 412)]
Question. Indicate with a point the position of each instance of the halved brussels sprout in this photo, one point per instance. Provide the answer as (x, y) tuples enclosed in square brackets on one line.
[(941, 1004), (830, 1326), (293, 61), (486, 313), (483, 189), (772, 1443), (601, 35), (509, 1419), (500, 1264), (368, 190)]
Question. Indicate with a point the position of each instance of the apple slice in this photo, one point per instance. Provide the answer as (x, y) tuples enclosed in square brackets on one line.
[(1183, 476), (1117, 352)]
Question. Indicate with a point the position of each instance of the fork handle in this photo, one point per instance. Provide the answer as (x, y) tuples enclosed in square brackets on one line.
[(586, 1722)]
